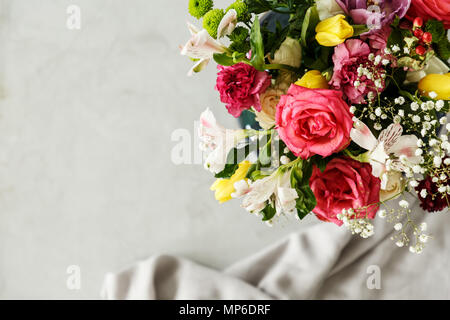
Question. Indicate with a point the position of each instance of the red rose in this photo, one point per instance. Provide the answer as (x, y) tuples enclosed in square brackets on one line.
[(345, 184), (239, 87), (430, 9), (313, 121)]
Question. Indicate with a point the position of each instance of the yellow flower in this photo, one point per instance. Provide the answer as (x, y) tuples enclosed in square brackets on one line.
[(438, 83), (225, 187), (314, 80), (333, 31)]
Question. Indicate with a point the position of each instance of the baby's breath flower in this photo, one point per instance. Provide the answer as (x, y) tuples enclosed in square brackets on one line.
[(433, 95), (413, 183), (423, 193), (437, 161), (400, 243), (404, 204), (284, 160), (423, 226)]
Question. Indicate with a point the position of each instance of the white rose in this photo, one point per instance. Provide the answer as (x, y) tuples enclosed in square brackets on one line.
[(392, 183), (289, 53), (328, 8)]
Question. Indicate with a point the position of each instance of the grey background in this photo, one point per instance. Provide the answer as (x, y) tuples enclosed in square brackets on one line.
[(86, 119)]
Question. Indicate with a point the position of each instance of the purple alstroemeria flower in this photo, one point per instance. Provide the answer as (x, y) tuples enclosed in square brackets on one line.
[(376, 13)]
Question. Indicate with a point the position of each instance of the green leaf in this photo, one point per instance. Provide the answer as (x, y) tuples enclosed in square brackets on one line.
[(300, 175), (252, 169), (359, 29), (309, 24), (237, 155), (395, 38), (223, 59), (234, 157), (320, 162), (307, 172), (258, 174), (257, 46), (229, 170), (265, 155), (258, 6), (443, 48), (437, 30), (306, 201), (268, 213)]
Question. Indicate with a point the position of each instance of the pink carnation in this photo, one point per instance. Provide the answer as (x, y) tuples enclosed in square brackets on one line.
[(347, 58), (313, 121), (239, 87)]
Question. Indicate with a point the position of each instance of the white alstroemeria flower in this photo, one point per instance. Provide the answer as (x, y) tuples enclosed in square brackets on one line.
[(201, 46), (217, 141), (328, 8), (434, 65), (389, 142), (241, 188), (276, 189), (227, 24)]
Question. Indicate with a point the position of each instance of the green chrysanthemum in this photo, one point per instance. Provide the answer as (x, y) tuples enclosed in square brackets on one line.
[(239, 35), (211, 21), (198, 8), (241, 9), (241, 47)]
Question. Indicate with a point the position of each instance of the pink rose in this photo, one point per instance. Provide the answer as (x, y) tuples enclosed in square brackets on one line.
[(345, 184), (239, 87), (347, 57), (313, 121), (430, 9)]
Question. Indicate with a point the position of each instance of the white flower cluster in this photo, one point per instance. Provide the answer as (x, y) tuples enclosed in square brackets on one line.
[(401, 237), (363, 226), (372, 75)]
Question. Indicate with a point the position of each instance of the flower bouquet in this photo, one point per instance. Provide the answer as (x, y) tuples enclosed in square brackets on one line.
[(351, 98)]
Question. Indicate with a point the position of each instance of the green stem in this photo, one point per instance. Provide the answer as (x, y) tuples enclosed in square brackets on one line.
[(274, 66)]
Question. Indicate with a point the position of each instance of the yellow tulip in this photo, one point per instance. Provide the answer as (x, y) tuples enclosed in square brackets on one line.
[(333, 31), (438, 83), (225, 187), (314, 80)]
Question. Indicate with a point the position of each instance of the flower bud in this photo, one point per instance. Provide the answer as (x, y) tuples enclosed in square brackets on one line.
[(439, 83), (418, 23), (314, 80), (289, 53), (333, 31)]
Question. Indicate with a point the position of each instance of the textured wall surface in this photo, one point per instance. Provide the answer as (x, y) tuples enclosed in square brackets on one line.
[(86, 118)]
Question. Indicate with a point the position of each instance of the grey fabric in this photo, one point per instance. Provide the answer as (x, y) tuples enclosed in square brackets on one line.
[(321, 262)]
